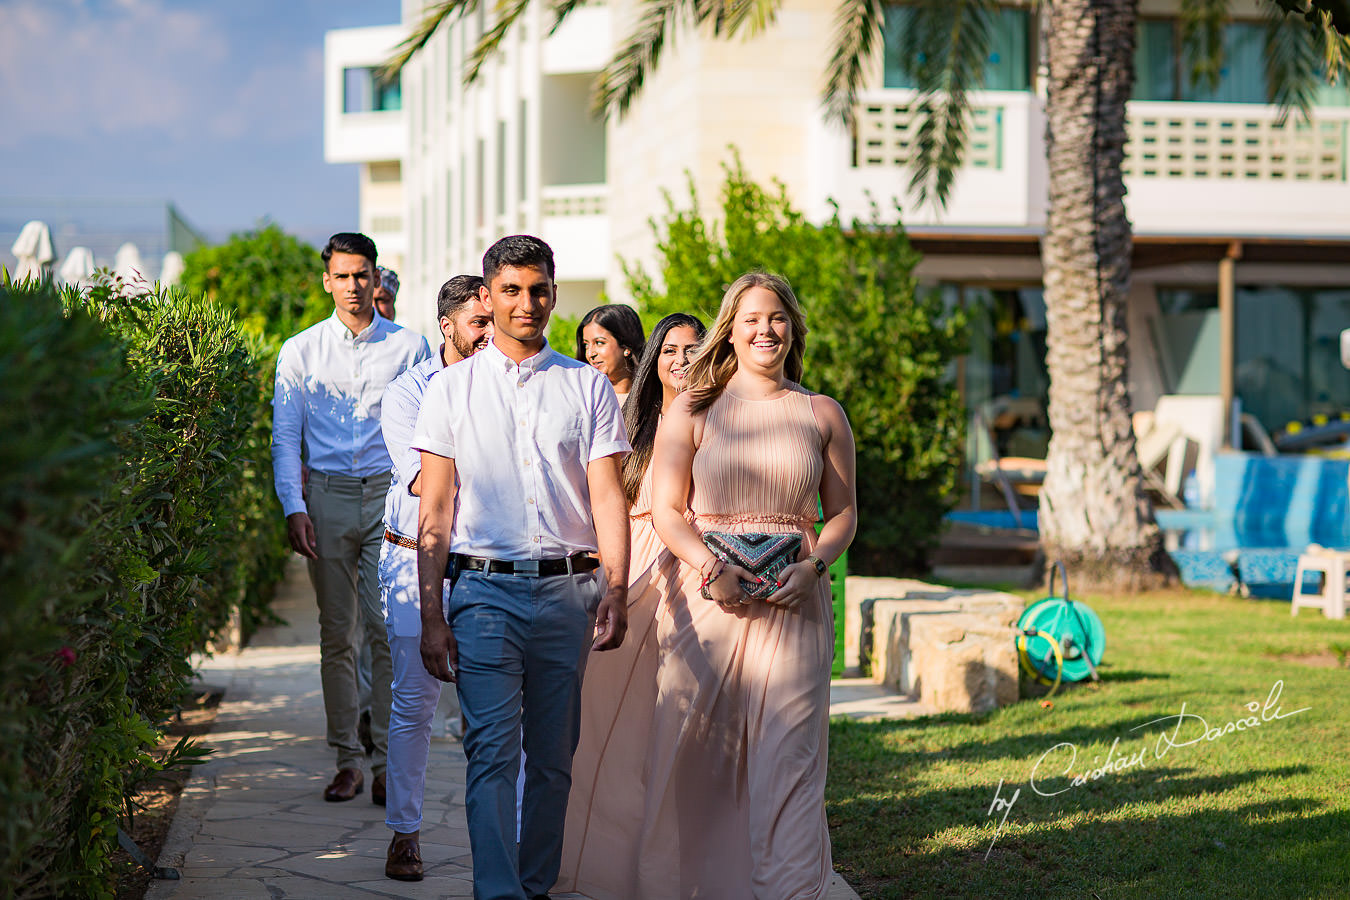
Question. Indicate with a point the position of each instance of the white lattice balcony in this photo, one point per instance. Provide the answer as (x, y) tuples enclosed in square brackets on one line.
[(1198, 168), (574, 222), (1234, 141)]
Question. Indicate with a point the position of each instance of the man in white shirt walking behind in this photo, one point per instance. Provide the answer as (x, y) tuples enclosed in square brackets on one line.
[(466, 326), (521, 449), (326, 416)]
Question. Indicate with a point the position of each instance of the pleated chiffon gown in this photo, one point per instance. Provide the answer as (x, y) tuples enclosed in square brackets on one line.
[(618, 698), (734, 788)]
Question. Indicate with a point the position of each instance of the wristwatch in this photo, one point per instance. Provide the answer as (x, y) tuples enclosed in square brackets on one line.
[(818, 564)]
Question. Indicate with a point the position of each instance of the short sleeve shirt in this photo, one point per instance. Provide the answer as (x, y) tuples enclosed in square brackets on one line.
[(522, 436)]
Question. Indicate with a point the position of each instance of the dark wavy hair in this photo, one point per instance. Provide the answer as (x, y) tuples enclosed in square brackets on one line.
[(620, 320), (518, 250), (349, 242), (455, 293), (642, 411)]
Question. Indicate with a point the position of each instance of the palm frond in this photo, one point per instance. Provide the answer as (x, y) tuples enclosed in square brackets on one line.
[(946, 46), (748, 17), (1293, 68), (622, 79), (433, 16), (1202, 23), (1334, 50), (1336, 12), (508, 13), (857, 31), (561, 9)]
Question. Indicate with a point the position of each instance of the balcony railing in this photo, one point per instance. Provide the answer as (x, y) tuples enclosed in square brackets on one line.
[(1165, 140), (887, 134), (1237, 141), (574, 200)]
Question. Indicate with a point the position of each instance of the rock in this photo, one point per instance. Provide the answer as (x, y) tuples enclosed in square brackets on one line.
[(962, 663), (950, 648)]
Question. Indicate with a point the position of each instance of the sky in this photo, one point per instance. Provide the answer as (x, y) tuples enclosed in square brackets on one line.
[(213, 105)]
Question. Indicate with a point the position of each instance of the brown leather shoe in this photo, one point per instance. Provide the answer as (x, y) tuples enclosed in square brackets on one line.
[(377, 790), (346, 785), (404, 861)]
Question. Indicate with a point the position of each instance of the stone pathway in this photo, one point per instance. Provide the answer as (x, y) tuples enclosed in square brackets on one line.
[(252, 822)]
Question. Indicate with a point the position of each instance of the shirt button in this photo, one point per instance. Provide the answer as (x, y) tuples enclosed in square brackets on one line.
[(530, 500), (527, 462), (536, 538), (522, 421)]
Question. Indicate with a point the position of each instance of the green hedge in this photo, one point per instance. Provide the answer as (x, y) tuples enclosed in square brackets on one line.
[(877, 344), (135, 515)]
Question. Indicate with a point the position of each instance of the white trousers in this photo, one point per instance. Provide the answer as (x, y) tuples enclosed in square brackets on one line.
[(410, 713)]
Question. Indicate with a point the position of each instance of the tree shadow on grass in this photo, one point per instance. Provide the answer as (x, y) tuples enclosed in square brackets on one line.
[(1109, 674), (1279, 848), (898, 836)]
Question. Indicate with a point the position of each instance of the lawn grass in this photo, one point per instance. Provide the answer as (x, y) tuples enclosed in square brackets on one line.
[(1263, 812)]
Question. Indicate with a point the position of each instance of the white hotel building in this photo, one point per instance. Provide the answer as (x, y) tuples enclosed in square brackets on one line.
[(1242, 222)]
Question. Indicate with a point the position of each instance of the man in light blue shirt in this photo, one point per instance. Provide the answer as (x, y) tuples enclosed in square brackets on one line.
[(326, 419)]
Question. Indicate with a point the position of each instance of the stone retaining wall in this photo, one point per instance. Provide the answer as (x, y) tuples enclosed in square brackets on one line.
[(951, 649)]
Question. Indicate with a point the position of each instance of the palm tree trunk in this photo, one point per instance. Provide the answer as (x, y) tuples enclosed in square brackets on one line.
[(1094, 514)]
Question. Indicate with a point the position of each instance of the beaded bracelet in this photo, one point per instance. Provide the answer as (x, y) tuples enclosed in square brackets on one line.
[(713, 575)]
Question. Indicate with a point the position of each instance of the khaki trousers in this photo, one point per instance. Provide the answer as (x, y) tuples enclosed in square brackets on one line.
[(348, 515)]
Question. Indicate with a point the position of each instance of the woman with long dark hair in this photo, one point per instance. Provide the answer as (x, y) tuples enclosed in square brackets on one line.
[(736, 772), (610, 339), (604, 813)]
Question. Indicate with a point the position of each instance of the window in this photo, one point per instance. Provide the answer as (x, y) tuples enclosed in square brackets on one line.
[(1162, 74), (363, 92), (501, 167), (1287, 345), (480, 172), (1007, 68)]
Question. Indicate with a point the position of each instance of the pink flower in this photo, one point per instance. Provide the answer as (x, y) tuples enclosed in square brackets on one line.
[(67, 656)]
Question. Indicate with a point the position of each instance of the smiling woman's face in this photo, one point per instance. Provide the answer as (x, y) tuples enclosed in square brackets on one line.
[(604, 352), (673, 362), (762, 332)]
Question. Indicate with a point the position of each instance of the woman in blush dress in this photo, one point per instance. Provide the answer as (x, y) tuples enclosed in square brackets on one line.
[(610, 339), (735, 803), (604, 812)]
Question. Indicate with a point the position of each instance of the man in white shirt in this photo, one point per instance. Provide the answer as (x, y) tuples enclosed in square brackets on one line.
[(466, 326), (326, 417), (521, 452)]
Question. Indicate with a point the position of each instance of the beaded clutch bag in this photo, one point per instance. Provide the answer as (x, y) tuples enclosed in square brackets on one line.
[(762, 555)]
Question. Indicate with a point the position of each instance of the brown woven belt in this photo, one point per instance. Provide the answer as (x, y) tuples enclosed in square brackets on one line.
[(400, 540)]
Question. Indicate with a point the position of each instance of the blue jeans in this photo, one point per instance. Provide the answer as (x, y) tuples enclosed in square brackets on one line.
[(522, 643)]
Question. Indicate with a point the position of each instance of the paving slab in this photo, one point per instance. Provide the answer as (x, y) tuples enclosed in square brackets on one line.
[(252, 822)]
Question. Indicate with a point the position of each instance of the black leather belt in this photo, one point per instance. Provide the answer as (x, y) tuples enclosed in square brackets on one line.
[(537, 568)]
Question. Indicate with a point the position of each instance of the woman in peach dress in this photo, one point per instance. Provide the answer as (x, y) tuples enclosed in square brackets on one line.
[(735, 789), (604, 812)]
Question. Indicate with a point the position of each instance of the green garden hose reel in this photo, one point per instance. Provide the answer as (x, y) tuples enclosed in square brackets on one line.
[(1059, 639)]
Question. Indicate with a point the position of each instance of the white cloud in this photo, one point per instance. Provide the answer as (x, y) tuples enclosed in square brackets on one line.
[(83, 71)]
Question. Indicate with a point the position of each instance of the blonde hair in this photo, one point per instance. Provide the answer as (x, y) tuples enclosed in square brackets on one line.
[(715, 363)]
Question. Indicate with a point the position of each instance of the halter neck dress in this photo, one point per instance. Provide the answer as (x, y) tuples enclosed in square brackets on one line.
[(735, 776)]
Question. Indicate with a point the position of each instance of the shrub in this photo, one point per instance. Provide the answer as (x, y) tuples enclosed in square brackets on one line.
[(876, 344), (124, 520), (270, 279)]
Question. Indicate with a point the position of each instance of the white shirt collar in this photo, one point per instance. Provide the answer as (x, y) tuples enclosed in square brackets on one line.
[(531, 364), (342, 331)]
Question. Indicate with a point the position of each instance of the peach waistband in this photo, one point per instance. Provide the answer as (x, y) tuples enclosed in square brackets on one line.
[(753, 519)]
